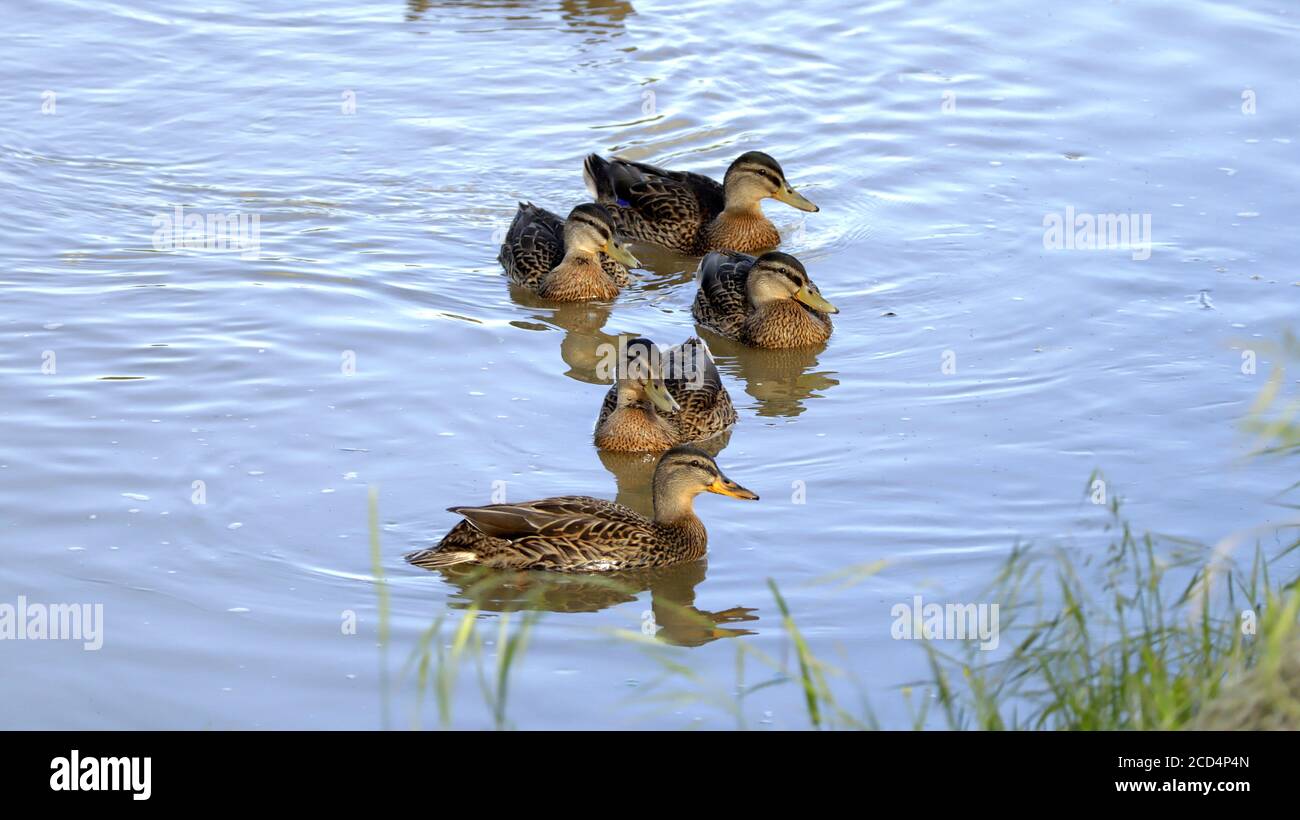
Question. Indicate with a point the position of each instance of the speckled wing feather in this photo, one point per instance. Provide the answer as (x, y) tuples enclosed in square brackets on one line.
[(535, 244), (651, 204), (706, 406), (573, 533), (721, 303), (616, 270)]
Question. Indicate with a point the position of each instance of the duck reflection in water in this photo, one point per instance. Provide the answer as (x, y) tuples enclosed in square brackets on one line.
[(585, 342), (782, 380), (581, 15), (673, 617)]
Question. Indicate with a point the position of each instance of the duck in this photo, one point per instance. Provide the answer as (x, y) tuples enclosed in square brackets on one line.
[(588, 535), (659, 400), (691, 213), (577, 259), (768, 301)]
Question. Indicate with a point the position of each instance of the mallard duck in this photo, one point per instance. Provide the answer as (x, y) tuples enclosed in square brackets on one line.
[(571, 260), (690, 213), (765, 302), (580, 534), (662, 399)]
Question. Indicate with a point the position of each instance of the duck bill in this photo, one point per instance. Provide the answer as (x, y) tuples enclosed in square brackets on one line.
[(815, 300), (794, 199), (660, 396), (725, 486), (621, 255)]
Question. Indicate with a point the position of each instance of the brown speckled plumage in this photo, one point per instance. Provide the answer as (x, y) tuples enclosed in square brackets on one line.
[(582, 534), (746, 232), (724, 304)]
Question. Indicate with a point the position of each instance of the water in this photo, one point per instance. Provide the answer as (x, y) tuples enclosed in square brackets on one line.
[(376, 227)]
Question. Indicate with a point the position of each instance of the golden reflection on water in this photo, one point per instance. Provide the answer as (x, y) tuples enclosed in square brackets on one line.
[(663, 268), (781, 380), (577, 14), (582, 323), (673, 617)]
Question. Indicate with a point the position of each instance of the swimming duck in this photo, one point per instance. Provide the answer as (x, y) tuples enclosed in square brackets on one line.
[(765, 302), (581, 534), (571, 260), (662, 399), (690, 213)]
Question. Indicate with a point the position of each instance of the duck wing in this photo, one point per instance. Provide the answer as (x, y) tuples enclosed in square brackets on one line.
[(654, 204), (568, 532), (533, 245), (693, 376), (565, 516), (721, 302), (650, 183), (706, 407)]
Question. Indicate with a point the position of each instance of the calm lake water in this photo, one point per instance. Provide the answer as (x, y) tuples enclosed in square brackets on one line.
[(374, 343)]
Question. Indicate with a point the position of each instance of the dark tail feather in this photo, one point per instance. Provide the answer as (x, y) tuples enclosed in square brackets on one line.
[(595, 172)]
